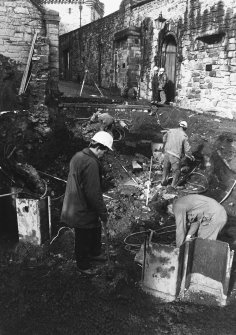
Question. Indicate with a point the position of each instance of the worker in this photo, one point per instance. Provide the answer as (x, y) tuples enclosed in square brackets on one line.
[(107, 122), (83, 206), (155, 92), (204, 215), (175, 145), (162, 81)]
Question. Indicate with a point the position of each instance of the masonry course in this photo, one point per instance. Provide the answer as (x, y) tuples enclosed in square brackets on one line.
[(202, 35)]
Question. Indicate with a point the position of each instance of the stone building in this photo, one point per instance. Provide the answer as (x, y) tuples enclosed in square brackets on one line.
[(194, 40), (19, 22), (76, 13)]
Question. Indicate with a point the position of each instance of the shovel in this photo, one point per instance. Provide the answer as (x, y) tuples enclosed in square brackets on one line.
[(185, 265)]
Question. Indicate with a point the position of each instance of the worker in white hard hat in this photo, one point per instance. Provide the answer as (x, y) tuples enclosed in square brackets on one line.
[(176, 145), (83, 206)]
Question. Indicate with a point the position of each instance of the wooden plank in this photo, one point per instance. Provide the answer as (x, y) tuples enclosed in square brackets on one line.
[(26, 72)]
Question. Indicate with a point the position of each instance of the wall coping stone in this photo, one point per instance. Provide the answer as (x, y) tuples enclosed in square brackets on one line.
[(109, 106), (52, 15), (144, 2), (131, 31)]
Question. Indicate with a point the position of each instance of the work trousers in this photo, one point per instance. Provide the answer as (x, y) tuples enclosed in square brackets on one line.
[(208, 228), (171, 162), (87, 243)]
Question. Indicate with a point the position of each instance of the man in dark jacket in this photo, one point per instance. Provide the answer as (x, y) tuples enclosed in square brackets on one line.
[(83, 207)]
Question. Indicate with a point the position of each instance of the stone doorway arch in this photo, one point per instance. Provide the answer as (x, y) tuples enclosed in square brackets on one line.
[(168, 62)]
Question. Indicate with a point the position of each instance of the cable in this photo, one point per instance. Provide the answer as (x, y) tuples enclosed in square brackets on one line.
[(12, 193), (228, 193), (49, 175), (57, 198), (136, 245), (54, 238), (205, 188)]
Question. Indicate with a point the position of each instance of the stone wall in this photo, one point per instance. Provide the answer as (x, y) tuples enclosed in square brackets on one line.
[(208, 71), (91, 47), (19, 21), (199, 34)]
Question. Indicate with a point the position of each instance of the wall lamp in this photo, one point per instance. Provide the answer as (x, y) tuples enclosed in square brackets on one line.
[(160, 22)]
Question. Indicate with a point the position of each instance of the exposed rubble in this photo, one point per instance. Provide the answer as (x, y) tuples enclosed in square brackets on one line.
[(37, 150)]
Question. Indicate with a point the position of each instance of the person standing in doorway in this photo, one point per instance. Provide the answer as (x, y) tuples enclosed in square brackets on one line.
[(162, 81), (83, 206), (155, 85), (175, 145)]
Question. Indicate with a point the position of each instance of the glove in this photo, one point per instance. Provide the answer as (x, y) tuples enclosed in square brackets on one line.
[(191, 157), (188, 238)]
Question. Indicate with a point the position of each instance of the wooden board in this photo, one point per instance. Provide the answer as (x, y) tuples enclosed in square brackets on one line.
[(26, 72)]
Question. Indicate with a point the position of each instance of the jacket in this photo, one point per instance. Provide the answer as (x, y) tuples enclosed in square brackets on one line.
[(176, 142), (162, 81), (83, 203)]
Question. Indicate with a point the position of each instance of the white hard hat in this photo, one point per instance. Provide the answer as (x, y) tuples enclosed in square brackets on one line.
[(103, 138), (162, 69), (155, 68), (183, 124)]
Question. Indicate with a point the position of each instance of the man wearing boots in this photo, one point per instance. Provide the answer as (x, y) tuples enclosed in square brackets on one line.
[(83, 206), (175, 145)]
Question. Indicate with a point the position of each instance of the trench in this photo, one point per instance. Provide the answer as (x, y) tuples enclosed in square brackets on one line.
[(52, 290)]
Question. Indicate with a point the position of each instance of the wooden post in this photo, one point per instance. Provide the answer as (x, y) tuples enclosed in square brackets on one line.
[(82, 87)]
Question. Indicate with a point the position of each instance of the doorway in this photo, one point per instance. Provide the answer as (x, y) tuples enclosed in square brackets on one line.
[(66, 64), (168, 61)]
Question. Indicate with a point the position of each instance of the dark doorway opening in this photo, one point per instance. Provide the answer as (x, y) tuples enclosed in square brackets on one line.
[(168, 61), (8, 217), (66, 64)]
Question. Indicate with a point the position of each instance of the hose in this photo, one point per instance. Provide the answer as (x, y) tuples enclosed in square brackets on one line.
[(228, 193)]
